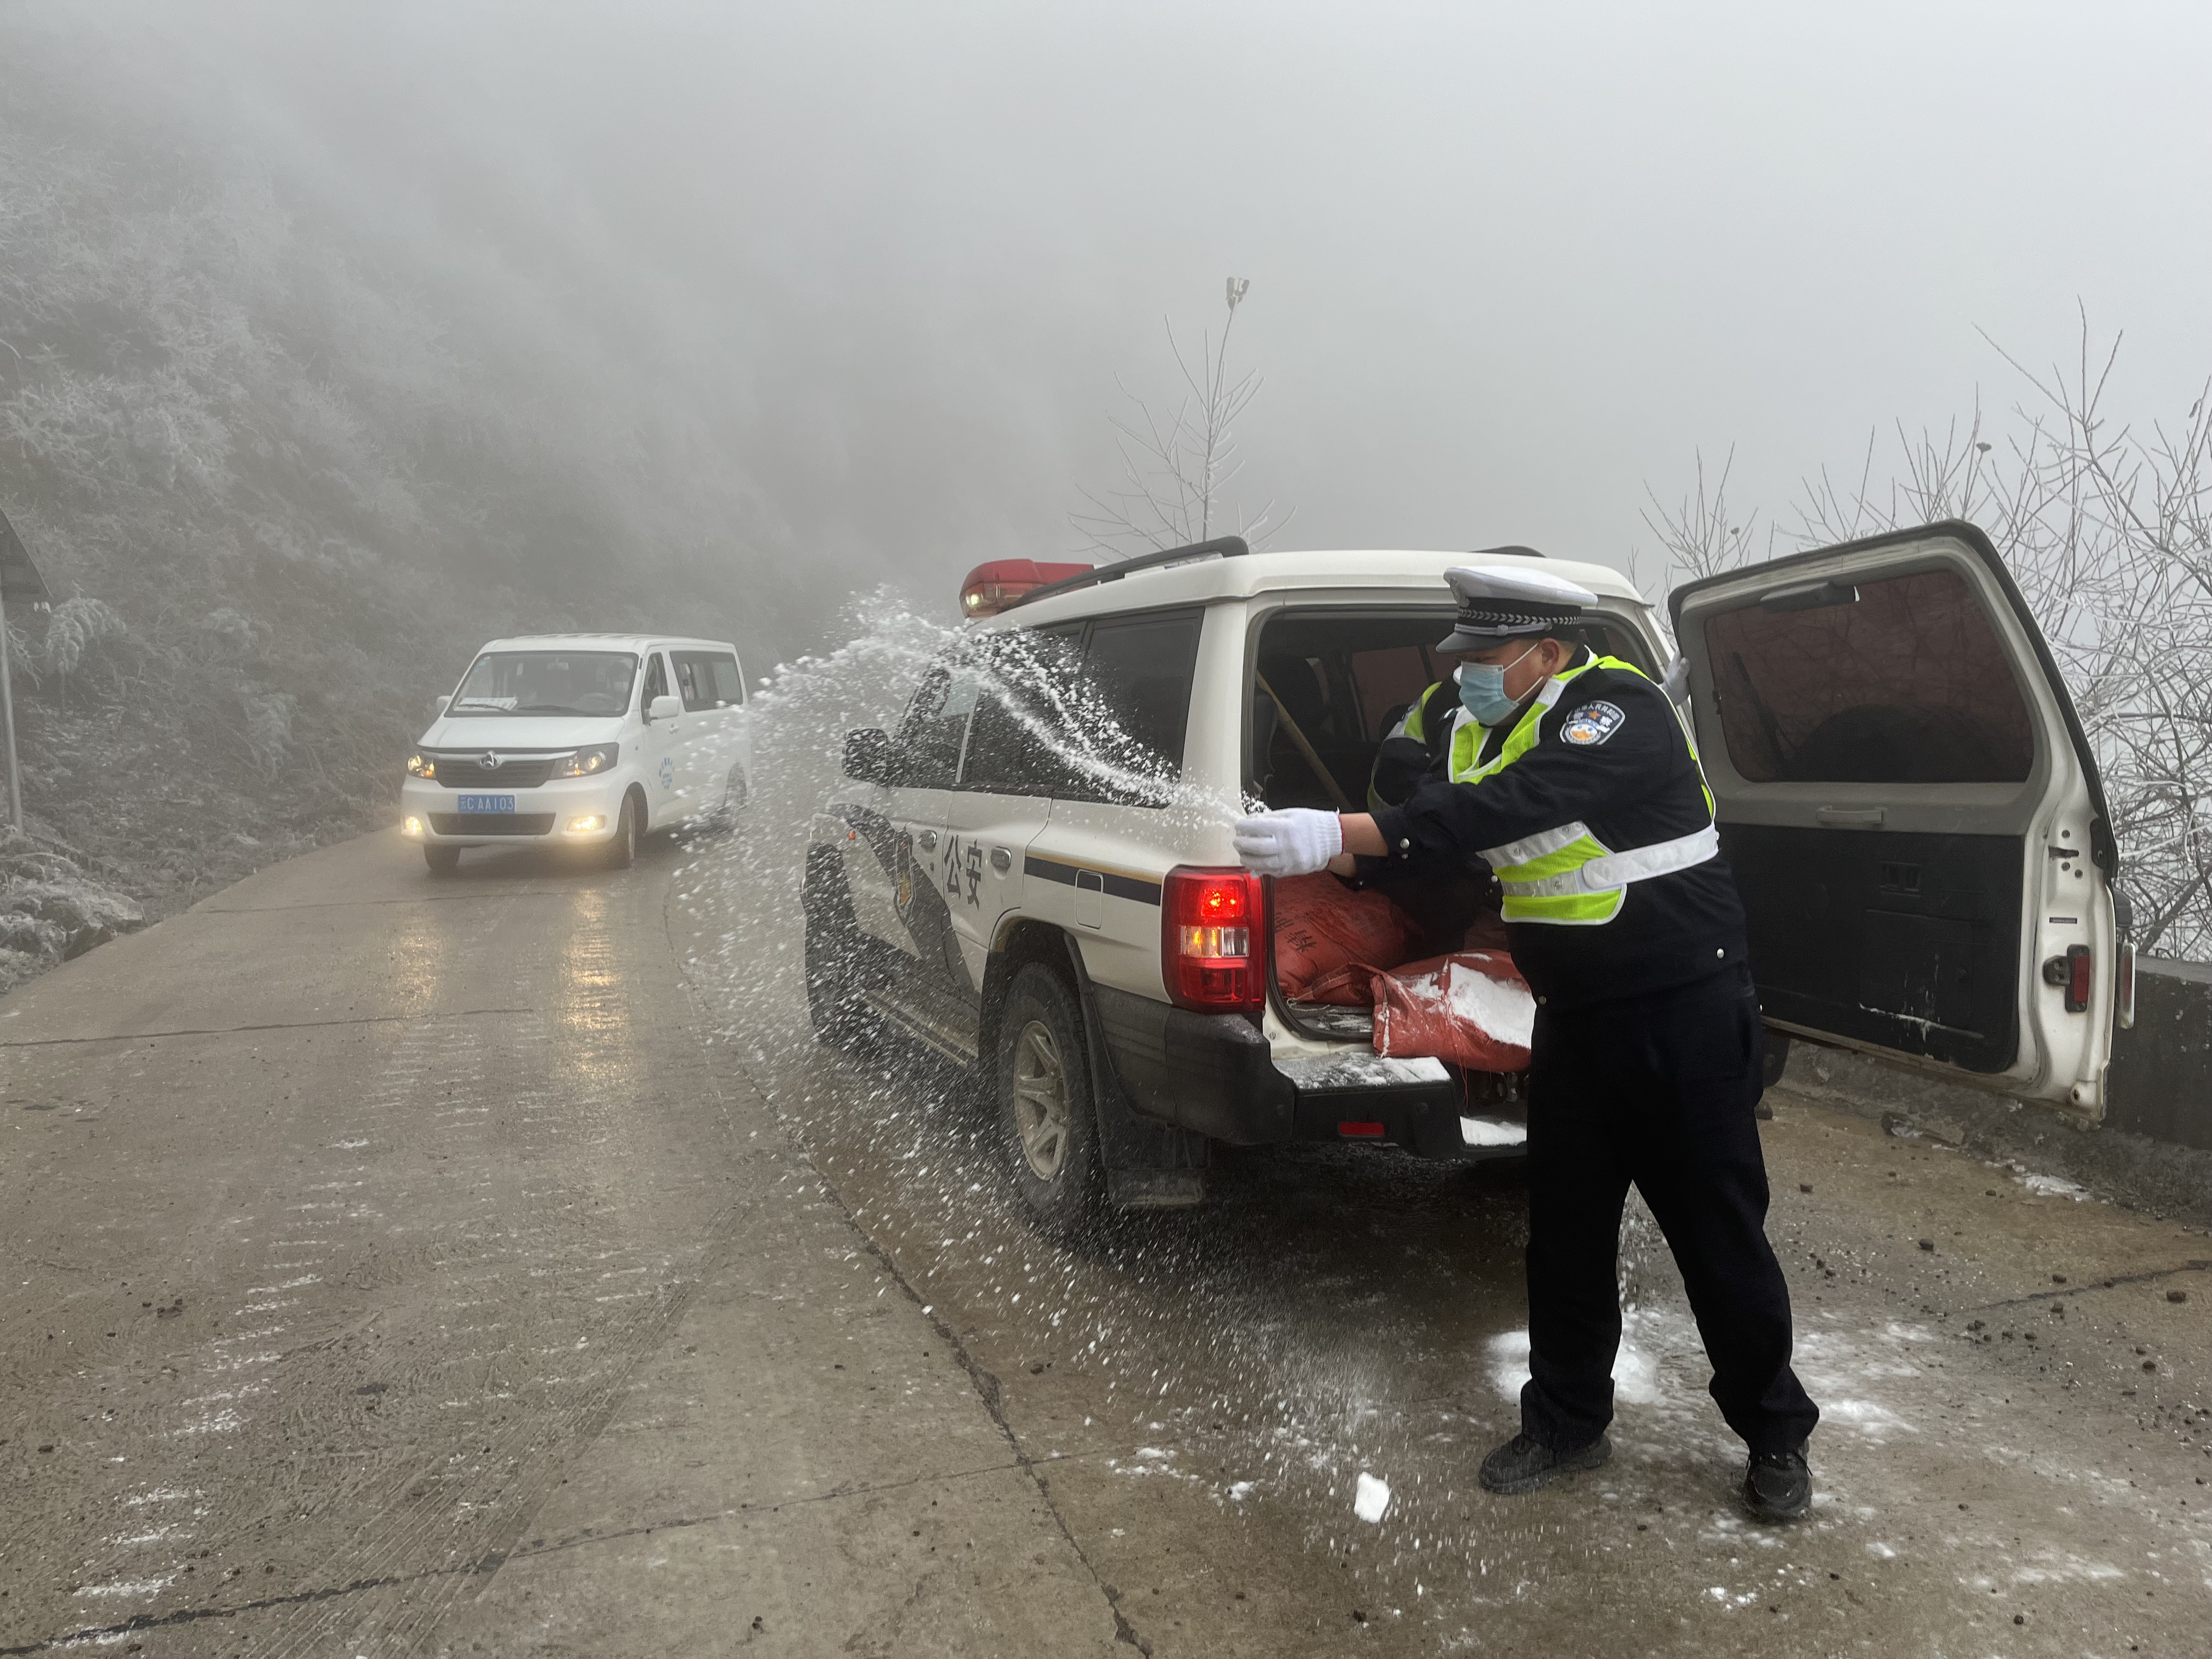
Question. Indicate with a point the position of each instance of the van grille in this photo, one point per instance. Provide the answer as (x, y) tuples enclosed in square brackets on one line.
[(492, 823), (513, 772)]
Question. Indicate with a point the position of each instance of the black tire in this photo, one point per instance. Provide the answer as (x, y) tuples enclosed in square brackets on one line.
[(731, 807), (622, 851), (442, 860), (1046, 1113), (836, 960)]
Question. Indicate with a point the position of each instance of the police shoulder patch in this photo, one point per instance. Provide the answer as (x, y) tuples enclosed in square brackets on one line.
[(1592, 724)]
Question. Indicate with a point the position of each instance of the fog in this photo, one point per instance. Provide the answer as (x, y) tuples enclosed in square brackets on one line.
[(878, 267)]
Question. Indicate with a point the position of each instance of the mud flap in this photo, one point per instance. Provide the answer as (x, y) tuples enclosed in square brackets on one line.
[(1149, 1165)]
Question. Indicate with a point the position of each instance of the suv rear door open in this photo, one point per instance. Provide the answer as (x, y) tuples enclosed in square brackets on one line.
[(1912, 812)]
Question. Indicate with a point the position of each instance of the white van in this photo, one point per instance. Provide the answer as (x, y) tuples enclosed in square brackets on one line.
[(582, 740), (1911, 812)]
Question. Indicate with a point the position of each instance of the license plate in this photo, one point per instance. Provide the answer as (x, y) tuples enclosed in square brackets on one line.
[(486, 803)]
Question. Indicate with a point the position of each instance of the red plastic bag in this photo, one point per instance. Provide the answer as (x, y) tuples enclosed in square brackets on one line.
[(1322, 925), (1473, 1009)]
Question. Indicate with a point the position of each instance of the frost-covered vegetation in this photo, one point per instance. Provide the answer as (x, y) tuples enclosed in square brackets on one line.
[(52, 909), (284, 469)]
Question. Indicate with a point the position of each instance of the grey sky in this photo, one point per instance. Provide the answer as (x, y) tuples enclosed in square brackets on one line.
[(1508, 263)]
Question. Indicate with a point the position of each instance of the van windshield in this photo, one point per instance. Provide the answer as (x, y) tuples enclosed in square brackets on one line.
[(546, 682)]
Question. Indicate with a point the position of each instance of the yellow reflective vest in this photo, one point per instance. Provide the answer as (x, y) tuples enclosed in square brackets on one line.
[(1566, 876)]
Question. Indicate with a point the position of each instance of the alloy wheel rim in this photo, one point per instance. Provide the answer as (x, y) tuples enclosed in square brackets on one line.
[(1041, 1114)]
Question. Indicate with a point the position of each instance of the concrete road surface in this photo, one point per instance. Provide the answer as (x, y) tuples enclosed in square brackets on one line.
[(397, 1265)]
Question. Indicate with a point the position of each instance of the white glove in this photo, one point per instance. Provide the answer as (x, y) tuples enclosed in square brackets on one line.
[(1295, 841)]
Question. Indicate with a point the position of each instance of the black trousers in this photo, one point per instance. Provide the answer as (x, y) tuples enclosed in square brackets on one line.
[(1660, 1091)]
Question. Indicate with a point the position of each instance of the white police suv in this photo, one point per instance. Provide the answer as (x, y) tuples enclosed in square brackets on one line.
[(1034, 874), (580, 740)]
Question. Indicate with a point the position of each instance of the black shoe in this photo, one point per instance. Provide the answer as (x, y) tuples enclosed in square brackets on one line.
[(1777, 1486), (1522, 1465)]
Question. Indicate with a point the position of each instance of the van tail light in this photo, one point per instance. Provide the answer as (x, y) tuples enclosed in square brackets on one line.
[(2124, 987), (1212, 925), (990, 588)]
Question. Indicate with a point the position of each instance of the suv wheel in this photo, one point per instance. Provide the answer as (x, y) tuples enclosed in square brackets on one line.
[(442, 860), (833, 962), (622, 851), (1044, 1102)]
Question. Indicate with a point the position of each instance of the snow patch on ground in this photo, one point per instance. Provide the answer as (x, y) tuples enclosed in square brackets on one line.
[(2051, 1186), (1635, 1367), (1371, 1498)]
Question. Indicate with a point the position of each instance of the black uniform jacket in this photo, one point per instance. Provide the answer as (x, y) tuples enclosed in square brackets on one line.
[(1634, 785)]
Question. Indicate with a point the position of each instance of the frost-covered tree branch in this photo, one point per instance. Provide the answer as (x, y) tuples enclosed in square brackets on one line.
[(1176, 468)]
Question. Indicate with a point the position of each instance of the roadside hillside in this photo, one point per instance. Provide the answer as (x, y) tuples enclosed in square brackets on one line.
[(283, 473)]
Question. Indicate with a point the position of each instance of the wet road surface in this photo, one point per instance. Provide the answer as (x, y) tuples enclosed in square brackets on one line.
[(495, 1265)]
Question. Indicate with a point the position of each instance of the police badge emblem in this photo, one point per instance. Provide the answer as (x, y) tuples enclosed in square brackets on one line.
[(1592, 724)]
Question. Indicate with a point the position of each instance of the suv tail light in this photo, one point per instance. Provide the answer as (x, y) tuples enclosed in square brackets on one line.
[(990, 588), (1212, 925), (2124, 991), (2071, 974)]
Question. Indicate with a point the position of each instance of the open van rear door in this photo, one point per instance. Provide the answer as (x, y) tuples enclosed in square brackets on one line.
[(1911, 809)]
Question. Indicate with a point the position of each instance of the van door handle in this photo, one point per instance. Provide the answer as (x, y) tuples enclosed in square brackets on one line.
[(1848, 817), (926, 839), (1002, 860)]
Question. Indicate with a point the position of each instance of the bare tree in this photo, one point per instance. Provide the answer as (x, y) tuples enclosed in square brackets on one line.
[(1176, 468), (2107, 529)]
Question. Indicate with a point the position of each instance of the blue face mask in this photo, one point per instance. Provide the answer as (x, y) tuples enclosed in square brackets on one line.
[(1482, 689)]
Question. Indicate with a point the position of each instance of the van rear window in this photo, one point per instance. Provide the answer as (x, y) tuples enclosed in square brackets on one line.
[(1905, 683)]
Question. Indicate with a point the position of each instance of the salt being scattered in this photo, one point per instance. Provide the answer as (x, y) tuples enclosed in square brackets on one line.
[(1372, 1498)]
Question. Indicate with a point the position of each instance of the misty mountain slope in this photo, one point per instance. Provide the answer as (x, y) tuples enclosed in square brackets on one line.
[(283, 485)]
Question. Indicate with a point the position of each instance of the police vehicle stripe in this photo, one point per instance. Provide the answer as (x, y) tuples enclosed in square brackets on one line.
[(1119, 886)]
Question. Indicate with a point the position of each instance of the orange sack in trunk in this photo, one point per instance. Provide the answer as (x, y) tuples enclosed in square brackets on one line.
[(1323, 927), (1472, 1009)]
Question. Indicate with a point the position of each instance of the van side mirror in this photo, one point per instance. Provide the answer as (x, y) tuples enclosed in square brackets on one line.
[(868, 757), (663, 709), (438, 705)]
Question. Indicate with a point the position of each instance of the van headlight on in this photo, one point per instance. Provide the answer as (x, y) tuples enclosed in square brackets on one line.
[(420, 765), (588, 762)]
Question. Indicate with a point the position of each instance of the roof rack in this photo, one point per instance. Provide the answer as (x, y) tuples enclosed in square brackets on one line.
[(1226, 547)]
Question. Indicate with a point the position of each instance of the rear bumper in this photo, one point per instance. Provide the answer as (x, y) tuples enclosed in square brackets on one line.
[(1216, 1074)]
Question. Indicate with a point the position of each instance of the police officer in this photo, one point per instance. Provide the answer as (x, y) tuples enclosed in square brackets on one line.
[(1573, 778)]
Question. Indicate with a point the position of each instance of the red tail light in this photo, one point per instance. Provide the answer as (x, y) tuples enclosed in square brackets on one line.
[(2077, 979), (1212, 926), (990, 588)]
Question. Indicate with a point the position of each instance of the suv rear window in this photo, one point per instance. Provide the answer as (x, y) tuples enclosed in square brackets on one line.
[(1905, 683)]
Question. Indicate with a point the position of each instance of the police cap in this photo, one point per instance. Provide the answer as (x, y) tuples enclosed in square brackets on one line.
[(1499, 601)]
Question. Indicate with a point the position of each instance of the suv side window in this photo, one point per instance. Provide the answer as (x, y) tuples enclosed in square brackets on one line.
[(656, 680), (926, 751)]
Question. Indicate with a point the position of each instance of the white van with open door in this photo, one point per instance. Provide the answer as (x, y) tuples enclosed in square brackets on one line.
[(1912, 811)]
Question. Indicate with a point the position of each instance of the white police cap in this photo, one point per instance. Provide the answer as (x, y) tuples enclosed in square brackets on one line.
[(1499, 601)]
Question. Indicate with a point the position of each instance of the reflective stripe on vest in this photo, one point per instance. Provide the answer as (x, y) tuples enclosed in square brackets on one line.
[(1567, 876)]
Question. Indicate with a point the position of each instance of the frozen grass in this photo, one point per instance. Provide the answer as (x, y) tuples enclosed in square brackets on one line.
[(50, 909)]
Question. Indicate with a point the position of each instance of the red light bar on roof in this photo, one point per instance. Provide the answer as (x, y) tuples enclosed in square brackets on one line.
[(990, 588)]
